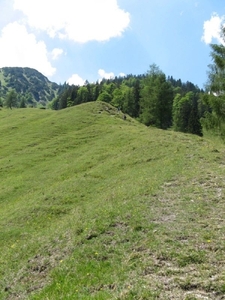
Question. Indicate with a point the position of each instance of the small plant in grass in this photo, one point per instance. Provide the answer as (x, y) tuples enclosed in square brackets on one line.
[(192, 257)]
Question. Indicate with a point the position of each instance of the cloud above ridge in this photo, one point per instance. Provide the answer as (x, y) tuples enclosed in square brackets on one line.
[(76, 80), (21, 49)]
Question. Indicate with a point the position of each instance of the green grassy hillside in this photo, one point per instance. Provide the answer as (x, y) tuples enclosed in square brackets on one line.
[(96, 207)]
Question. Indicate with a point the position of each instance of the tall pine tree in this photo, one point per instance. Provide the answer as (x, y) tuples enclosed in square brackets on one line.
[(156, 99), (214, 118)]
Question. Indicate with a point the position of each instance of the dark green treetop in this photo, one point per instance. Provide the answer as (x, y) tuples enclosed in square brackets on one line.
[(11, 99)]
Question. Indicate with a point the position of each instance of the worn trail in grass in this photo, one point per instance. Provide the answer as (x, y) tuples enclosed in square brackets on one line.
[(95, 207)]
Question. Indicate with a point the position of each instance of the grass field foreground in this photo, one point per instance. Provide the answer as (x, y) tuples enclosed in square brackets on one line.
[(96, 207)]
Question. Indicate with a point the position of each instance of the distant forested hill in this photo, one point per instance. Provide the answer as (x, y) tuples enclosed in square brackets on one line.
[(28, 83), (151, 98)]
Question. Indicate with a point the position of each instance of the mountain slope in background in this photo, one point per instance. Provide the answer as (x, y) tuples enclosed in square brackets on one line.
[(28, 82)]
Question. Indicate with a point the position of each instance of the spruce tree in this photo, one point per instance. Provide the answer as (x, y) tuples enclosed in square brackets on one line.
[(214, 118), (11, 99), (156, 99)]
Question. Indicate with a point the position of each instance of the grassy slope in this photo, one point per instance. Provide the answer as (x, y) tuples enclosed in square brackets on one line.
[(95, 207)]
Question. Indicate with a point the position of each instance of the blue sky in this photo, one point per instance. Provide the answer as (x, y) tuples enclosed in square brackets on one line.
[(75, 40)]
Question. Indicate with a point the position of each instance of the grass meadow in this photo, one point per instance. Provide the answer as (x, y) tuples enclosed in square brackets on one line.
[(96, 207)]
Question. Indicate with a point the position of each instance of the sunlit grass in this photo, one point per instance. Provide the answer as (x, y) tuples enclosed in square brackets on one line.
[(95, 207)]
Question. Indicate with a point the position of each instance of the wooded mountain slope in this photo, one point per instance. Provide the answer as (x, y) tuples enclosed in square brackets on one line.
[(29, 82)]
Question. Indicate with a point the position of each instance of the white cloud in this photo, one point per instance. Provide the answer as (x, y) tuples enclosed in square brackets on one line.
[(56, 52), (77, 20), (103, 74), (18, 48), (76, 80), (212, 29), (110, 75), (122, 74)]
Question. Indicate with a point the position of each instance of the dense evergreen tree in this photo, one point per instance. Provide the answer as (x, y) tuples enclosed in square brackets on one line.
[(118, 97), (131, 87), (156, 99), (194, 124), (62, 99), (95, 91), (136, 93), (105, 97), (23, 102), (129, 102), (54, 104), (185, 114), (11, 99), (214, 118), (83, 95)]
